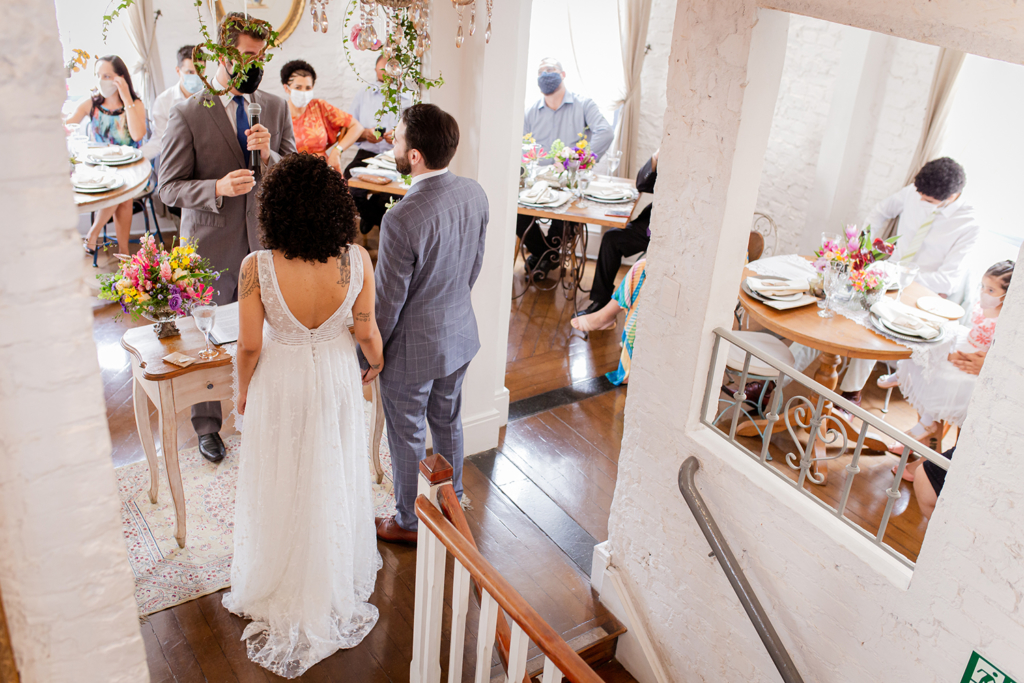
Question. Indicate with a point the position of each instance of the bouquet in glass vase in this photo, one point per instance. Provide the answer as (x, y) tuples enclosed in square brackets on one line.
[(571, 160), (160, 285), (865, 249), (869, 284)]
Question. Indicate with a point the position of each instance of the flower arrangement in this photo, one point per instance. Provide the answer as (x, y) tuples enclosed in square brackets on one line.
[(156, 282), (532, 152), (563, 155), (858, 251), (867, 282)]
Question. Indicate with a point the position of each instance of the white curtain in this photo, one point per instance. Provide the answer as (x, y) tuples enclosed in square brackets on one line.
[(634, 17), (940, 102), (141, 27)]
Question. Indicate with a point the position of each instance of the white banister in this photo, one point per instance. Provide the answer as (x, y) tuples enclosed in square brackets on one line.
[(460, 606), (551, 672), (485, 637), (517, 654)]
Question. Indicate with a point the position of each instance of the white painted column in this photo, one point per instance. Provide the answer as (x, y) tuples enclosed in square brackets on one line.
[(484, 90), (863, 70), (67, 587)]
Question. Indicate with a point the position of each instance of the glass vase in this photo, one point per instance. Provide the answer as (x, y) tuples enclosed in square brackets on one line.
[(869, 299)]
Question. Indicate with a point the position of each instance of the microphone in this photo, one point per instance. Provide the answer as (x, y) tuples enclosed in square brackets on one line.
[(254, 118)]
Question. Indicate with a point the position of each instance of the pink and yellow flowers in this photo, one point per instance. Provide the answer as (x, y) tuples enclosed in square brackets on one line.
[(155, 281)]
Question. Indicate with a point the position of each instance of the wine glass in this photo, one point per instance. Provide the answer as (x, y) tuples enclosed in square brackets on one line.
[(833, 274), (205, 315), (907, 274), (614, 159)]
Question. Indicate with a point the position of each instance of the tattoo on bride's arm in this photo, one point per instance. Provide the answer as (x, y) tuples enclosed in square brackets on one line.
[(375, 367), (344, 272), (249, 280), (363, 317)]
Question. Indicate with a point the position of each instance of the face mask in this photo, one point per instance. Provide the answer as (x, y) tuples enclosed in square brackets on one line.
[(192, 83), (253, 76), (549, 81), (988, 301), (108, 88), (300, 98)]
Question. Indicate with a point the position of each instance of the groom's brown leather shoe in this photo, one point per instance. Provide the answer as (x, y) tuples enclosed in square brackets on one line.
[(389, 531)]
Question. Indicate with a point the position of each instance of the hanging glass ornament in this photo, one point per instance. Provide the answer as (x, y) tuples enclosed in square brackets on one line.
[(316, 17), (472, 18), (460, 37), (487, 33), (420, 47), (393, 68), (323, 18)]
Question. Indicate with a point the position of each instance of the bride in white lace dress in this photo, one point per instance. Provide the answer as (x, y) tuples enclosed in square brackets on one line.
[(306, 558)]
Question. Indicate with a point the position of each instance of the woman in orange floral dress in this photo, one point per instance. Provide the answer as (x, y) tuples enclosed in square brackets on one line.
[(317, 124)]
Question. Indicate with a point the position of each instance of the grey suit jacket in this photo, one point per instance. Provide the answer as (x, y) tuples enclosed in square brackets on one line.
[(431, 250), (199, 148)]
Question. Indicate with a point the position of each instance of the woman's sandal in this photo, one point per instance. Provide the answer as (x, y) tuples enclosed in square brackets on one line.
[(85, 246), (888, 381), (583, 323)]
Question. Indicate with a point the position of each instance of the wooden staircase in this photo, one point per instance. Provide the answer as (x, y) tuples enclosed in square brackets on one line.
[(528, 651)]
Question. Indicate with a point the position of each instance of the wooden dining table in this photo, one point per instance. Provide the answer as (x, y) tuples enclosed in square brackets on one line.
[(571, 252), (135, 175), (834, 338)]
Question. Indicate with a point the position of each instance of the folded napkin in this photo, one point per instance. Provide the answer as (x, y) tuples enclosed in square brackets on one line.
[(381, 163), (92, 177), (784, 267), (115, 152), (610, 191), (777, 287), (906, 317), (540, 193)]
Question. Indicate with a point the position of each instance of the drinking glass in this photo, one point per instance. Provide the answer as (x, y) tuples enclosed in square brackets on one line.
[(614, 159), (584, 180), (205, 315), (831, 237), (832, 276), (907, 274)]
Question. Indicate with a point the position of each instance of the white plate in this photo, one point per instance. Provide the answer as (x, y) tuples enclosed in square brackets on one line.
[(602, 200), (943, 308), (382, 172), (115, 161), (97, 190), (788, 297), (880, 324)]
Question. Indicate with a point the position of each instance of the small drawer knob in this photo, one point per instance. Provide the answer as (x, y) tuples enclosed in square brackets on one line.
[(210, 385)]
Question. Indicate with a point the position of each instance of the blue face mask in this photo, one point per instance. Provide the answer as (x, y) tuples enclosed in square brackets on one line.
[(549, 82), (192, 83)]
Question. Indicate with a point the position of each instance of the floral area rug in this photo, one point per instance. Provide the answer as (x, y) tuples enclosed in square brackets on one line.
[(166, 575)]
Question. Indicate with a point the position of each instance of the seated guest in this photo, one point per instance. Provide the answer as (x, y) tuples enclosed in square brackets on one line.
[(559, 115), (928, 487), (619, 242), (937, 231), (317, 124), (188, 84), (940, 388), (118, 117), (627, 296), (378, 136)]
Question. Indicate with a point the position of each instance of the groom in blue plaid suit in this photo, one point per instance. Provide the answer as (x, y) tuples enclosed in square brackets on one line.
[(431, 249)]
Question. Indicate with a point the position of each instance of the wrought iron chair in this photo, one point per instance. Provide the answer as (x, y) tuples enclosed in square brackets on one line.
[(757, 371), (138, 204)]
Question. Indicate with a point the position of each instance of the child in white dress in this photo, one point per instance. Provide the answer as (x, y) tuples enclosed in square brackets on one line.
[(943, 393)]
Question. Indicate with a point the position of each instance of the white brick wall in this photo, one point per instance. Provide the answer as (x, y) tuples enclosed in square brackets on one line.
[(805, 95), (67, 586), (654, 76), (845, 612)]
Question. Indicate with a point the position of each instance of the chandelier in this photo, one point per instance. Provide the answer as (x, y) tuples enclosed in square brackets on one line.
[(419, 13)]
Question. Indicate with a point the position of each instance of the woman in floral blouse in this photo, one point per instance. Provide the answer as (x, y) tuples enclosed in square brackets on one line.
[(317, 124)]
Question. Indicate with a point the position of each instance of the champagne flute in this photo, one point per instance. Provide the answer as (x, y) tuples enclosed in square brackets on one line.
[(907, 274), (614, 159), (205, 315), (831, 276)]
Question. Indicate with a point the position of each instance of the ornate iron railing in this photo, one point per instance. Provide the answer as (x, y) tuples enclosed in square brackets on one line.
[(821, 426)]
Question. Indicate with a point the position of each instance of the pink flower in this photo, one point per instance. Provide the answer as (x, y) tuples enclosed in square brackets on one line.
[(852, 231), (819, 265), (165, 271), (354, 36), (853, 245)]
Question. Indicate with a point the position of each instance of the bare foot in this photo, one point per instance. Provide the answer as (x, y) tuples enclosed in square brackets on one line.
[(593, 322)]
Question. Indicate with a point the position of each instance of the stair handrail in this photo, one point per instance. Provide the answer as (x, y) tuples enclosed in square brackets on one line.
[(559, 652), (733, 571)]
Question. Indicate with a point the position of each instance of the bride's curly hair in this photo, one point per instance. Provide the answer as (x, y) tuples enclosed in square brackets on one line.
[(305, 209)]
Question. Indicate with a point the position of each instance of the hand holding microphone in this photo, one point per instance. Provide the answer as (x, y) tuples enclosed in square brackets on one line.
[(258, 136)]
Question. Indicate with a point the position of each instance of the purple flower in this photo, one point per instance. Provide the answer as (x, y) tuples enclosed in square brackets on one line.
[(175, 303)]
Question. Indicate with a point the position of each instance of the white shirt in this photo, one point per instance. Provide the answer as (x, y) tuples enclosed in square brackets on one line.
[(231, 107), (943, 255), (364, 109), (428, 174), (159, 113)]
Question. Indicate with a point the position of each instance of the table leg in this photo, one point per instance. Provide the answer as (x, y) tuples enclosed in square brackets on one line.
[(828, 377), (169, 441), (141, 403)]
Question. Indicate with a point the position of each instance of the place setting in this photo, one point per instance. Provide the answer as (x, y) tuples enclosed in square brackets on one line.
[(606, 192), (544, 196), (907, 323), (113, 155), (95, 179), (780, 294)]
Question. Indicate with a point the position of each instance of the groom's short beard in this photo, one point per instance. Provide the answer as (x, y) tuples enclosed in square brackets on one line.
[(403, 165)]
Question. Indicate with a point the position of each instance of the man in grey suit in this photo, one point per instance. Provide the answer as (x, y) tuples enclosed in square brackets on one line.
[(205, 163), (431, 250)]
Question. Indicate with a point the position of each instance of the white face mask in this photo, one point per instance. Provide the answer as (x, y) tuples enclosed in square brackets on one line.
[(108, 88), (989, 301), (300, 98)]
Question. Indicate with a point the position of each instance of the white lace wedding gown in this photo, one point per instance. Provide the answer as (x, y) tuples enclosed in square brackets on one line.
[(306, 555)]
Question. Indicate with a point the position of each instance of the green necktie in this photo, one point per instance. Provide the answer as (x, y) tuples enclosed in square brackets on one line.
[(919, 237)]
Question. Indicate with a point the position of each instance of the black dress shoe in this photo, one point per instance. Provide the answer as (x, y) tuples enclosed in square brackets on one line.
[(212, 447), (531, 262), (594, 307), (543, 268)]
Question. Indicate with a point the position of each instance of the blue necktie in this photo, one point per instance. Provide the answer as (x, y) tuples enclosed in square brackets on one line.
[(242, 125)]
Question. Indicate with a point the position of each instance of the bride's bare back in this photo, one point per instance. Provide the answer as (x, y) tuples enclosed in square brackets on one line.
[(313, 291)]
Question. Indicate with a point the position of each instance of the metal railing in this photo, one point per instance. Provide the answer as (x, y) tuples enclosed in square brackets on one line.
[(720, 548), (822, 427)]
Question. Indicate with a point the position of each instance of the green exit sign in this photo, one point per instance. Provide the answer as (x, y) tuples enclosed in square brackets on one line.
[(980, 670)]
